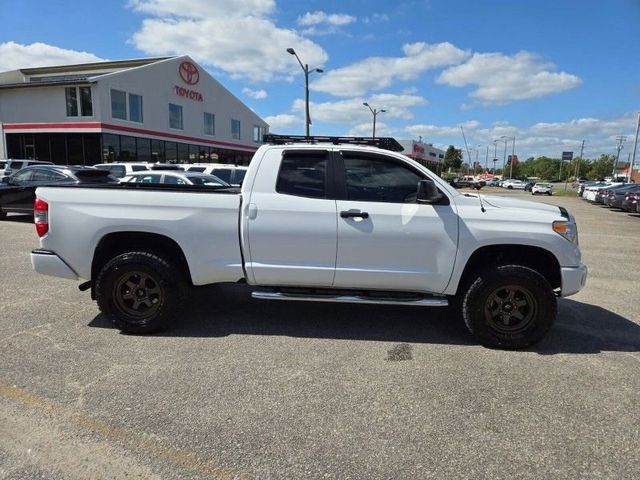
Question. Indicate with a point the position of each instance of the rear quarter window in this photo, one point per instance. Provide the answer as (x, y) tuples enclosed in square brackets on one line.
[(15, 165)]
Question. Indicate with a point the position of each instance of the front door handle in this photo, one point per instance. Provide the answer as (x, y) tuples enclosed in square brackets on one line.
[(353, 214)]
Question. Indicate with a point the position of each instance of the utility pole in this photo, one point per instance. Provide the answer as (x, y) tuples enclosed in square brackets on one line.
[(620, 139), (513, 154), (579, 159), (486, 160), (635, 144)]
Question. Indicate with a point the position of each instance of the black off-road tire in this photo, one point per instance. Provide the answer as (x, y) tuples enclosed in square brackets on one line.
[(509, 307), (140, 292)]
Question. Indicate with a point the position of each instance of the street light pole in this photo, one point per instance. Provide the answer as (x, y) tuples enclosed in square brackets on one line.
[(305, 69), (375, 113), (633, 155), (620, 139), (495, 153)]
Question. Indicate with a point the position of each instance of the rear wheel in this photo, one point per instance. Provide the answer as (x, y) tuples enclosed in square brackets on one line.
[(139, 292), (509, 306)]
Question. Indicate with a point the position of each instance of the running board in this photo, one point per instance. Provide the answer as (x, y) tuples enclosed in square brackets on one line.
[(414, 302)]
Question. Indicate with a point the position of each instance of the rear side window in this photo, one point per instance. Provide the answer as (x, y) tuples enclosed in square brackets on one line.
[(15, 165), (304, 176), (151, 178), (138, 168), (239, 176), (117, 171), (196, 169), (171, 180)]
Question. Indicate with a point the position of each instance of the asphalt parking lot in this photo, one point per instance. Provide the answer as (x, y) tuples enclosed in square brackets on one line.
[(249, 389)]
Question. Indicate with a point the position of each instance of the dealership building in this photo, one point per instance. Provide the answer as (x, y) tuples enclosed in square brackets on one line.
[(149, 110), (424, 153)]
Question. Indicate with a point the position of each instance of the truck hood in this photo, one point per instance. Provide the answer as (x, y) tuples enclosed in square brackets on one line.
[(512, 203)]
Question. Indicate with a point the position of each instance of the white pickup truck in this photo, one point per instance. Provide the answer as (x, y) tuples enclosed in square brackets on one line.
[(318, 219)]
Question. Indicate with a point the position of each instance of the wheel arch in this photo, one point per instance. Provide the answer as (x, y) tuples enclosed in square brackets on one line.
[(117, 243), (536, 258)]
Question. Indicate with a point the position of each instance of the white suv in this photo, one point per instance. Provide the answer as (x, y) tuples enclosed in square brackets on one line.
[(232, 174), (120, 170)]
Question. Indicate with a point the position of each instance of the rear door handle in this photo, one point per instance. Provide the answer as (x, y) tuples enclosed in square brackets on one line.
[(353, 214)]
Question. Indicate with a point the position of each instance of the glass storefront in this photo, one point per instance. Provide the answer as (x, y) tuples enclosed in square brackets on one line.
[(92, 148)]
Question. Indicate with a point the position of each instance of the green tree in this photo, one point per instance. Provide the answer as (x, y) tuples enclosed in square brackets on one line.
[(602, 167), (452, 158)]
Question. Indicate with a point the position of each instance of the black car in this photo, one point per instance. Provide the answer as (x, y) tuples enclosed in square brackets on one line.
[(528, 186), (618, 196), (18, 192)]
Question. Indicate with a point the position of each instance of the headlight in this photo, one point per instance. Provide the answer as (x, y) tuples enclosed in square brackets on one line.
[(567, 229)]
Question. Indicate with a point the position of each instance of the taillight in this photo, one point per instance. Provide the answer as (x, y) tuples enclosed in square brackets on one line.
[(41, 216)]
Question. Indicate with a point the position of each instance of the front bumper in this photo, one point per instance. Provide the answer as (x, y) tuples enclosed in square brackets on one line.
[(47, 262), (573, 279)]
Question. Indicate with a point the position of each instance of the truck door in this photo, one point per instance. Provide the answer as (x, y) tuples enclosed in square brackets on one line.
[(385, 239), (291, 220)]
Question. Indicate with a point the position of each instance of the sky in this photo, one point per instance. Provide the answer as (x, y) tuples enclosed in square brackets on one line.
[(550, 73)]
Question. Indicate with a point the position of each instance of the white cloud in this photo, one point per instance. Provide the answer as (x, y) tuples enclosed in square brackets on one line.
[(353, 111), (502, 78), (255, 94), (283, 121), (376, 18), (376, 73), (319, 17), (236, 36), (14, 56), (538, 139)]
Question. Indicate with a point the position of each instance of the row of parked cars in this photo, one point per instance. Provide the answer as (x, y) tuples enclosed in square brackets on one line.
[(20, 178), (619, 195)]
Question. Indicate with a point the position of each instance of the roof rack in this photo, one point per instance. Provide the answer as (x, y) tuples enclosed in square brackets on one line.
[(387, 143)]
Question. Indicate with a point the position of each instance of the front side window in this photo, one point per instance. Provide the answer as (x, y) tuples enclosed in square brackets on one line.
[(150, 178), (235, 129), (209, 124), (135, 108), (86, 106), (378, 180), (118, 104), (304, 176), (175, 116), (71, 96), (22, 177), (171, 180)]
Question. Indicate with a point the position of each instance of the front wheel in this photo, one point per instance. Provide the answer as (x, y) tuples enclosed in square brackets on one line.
[(139, 292), (509, 306)]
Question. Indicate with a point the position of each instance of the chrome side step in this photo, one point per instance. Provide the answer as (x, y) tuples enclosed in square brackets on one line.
[(414, 302)]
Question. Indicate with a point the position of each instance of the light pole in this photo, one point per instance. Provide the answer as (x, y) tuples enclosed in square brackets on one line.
[(513, 152), (633, 155), (495, 158), (504, 158), (486, 160), (305, 69), (375, 113)]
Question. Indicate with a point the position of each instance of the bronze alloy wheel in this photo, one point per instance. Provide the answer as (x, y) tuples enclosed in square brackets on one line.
[(138, 294), (510, 309)]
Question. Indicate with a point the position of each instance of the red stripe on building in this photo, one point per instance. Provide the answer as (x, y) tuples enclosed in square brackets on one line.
[(119, 128)]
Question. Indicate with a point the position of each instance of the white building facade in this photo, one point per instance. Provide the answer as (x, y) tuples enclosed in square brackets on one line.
[(160, 109), (424, 153)]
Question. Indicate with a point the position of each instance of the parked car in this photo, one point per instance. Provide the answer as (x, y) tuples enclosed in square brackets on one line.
[(169, 177), (232, 174), (12, 166), (467, 182), (513, 184), (17, 192), (541, 187), (617, 195), (528, 186), (631, 199), (333, 222), (591, 192), (120, 170)]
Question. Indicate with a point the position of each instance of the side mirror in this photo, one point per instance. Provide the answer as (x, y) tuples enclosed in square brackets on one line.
[(428, 192)]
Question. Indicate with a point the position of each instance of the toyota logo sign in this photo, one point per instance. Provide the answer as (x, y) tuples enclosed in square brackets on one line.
[(189, 73)]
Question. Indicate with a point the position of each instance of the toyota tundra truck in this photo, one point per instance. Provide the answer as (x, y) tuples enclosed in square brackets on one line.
[(325, 219)]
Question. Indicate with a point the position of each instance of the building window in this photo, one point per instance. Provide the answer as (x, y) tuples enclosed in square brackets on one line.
[(175, 117), (235, 129), (258, 132), (135, 108), (209, 124), (118, 104), (72, 101), (71, 97), (86, 106)]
